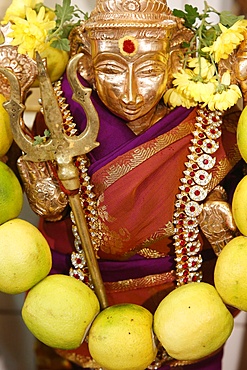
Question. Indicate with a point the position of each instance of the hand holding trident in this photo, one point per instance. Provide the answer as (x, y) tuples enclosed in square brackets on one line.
[(61, 148)]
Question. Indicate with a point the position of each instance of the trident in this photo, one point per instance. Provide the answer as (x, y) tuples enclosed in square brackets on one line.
[(61, 148)]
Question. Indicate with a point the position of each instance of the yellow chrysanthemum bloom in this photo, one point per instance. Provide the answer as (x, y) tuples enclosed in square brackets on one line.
[(226, 99), (182, 80), (18, 9), (174, 99), (189, 93), (201, 91), (228, 40), (194, 89), (202, 67), (226, 95), (226, 78), (30, 34), (50, 14)]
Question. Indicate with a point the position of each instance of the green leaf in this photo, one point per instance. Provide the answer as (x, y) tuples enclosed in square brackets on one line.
[(210, 35), (179, 13), (228, 19), (86, 16), (47, 133), (65, 22), (185, 45), (65, 12), (190, 15), (61, 44), (38, 140)]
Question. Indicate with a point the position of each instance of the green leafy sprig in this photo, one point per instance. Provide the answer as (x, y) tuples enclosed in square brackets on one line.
[(205, 32), (67, 17), (191, 16), (41, 139)]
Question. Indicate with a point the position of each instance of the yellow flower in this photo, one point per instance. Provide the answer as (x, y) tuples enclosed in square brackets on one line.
[(30, 34), (215, 94), (18, 9), (174, 99), (182, 79), (226, 99), (202, 67), (226, 95), (228, 40), (49, 14), (194, 89), (226, 78), (201, 91)]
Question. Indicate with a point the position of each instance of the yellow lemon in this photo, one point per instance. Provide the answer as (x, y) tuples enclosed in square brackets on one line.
[(6, 136), (25, 256), (192, 322), (59, 310), (230, 273), (239, 205), (121, 338), (242, 133), (11, 196), (56, 60)]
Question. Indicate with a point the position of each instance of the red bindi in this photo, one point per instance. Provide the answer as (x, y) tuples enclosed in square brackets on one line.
[(128, 46)]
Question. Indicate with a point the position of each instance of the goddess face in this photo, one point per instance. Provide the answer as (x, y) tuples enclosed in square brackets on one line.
[(130, 78)]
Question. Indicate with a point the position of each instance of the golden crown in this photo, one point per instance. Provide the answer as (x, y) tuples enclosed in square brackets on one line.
[(109, 14)]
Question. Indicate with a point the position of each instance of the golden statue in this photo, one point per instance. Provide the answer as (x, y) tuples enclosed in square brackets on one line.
[(155, 192)]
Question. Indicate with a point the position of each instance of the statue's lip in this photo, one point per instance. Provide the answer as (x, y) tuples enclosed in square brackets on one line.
[(131, 110)]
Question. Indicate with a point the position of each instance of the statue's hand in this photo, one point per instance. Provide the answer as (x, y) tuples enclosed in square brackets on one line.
[(216, 222), (43, 190)]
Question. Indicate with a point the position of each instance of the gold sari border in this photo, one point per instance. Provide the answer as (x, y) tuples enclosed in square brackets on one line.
[(140, 283), (114, 171)]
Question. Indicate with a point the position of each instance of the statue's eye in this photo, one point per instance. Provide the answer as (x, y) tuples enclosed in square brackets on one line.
[(109, 68), (150, 70)]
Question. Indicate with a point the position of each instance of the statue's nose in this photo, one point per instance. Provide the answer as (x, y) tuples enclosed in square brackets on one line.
[(131, 96)]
